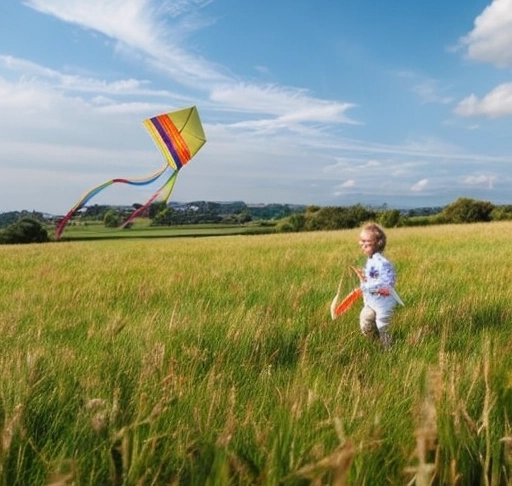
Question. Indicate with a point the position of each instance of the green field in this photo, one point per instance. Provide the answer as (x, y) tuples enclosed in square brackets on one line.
[(214, 361), (142, 229)]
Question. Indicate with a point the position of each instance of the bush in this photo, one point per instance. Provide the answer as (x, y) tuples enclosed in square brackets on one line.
[(112, 219), (334, 218), (502, 213), (25, 230), (465, 210), (390, 218)]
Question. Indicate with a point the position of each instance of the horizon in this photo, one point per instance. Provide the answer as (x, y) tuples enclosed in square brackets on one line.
[(381, 207)]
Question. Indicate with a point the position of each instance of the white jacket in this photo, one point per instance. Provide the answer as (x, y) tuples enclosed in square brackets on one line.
[(378, 287)]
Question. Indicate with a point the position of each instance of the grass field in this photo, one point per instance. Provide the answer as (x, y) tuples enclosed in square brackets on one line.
[(214, 361), (141, 229)]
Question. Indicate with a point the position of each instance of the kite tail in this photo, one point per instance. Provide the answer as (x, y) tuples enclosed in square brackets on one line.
[(164, 193), (64, 222), (95, 190), (79, 205)]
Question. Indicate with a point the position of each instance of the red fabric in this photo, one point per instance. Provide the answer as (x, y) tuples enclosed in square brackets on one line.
[(348, 301)]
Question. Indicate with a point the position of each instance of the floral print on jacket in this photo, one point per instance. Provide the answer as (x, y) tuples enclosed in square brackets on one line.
[(379, 274)]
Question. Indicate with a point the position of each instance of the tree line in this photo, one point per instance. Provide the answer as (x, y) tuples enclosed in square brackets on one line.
[(463, 210), (29, 227)]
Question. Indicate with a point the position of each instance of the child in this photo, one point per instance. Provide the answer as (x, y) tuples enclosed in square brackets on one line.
[(377, 282)]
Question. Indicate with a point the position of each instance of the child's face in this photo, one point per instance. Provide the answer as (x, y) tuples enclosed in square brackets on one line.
[(368, 243)]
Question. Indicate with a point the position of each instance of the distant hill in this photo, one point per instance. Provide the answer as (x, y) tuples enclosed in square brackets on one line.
[(212, 211), (11, 217), (255, 211), (239, 212)]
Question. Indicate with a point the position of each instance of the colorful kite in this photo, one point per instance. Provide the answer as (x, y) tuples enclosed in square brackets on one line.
[(179, 135)]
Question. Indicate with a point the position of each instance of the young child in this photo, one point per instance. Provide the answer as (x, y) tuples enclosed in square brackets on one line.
[(377, 282)]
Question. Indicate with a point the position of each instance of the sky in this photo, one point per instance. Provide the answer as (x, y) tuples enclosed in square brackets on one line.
[(329, 103)]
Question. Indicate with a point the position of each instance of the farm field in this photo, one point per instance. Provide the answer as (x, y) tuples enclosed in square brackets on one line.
[(142, 229), (214, 361)]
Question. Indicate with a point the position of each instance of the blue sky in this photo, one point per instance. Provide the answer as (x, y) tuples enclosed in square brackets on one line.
[(325, 103)]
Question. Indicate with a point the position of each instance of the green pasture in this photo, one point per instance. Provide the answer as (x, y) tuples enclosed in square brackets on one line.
[(214, 361), (141, 229)]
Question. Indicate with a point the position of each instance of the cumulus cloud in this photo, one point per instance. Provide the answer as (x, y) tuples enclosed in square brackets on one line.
[(490, 42), (494, 104), (491, 38)]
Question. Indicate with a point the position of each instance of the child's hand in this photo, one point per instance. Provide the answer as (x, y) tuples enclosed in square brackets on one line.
[(359, 273)]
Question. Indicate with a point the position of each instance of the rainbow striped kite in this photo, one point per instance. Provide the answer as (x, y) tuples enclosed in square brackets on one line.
[(179, 135)]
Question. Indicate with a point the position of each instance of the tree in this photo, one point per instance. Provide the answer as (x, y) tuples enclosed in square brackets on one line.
[(293, 223), (156, 208), (502, 213), (466, 210), (112, 219), (334, 217), (25, 230), (389, 218)]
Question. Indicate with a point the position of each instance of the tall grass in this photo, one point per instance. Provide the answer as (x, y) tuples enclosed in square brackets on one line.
[(214, 361)]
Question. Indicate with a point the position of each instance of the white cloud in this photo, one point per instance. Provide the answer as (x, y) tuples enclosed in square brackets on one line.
[(141, 28), (32, 74), (490, 41), (371, 164), (288, 107), (420, 185), (494, 104), (348, 183), (491, 38), (136, 25), (486, 181), (430, 92)]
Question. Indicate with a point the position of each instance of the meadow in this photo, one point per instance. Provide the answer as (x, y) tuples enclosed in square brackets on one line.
[(214, 361), (95, 230)]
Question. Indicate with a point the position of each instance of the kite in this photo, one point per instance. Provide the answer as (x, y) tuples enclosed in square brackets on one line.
[(179, 135)]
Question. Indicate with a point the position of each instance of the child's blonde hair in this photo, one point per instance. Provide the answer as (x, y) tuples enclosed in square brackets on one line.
[(378, 233)]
